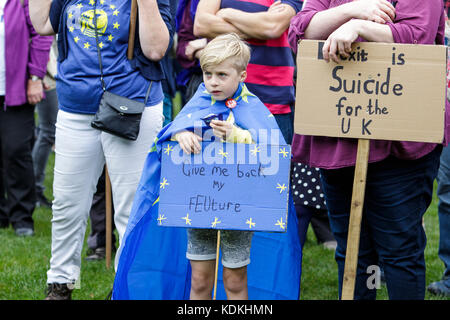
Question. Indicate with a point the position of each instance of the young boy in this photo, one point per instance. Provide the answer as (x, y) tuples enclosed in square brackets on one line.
[(152, 259), (223, 61)]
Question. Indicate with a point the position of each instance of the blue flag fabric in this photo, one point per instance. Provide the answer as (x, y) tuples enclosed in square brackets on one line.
[(152, 262)]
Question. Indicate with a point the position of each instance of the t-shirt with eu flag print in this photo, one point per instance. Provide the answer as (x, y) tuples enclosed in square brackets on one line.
[(78, 80), (270, 73)]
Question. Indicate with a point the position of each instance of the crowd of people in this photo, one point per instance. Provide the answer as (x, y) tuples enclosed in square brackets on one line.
[(69, 55)]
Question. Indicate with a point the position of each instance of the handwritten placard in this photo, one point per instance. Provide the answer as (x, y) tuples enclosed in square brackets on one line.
[(382, 91), (227, 186)]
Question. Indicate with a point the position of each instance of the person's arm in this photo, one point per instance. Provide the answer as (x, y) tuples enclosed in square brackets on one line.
[(186, 41), (340, 41), (260, 25), (39, 49), (208, 25), (154, 27), (39, 14), (323, 23), (419, 22)]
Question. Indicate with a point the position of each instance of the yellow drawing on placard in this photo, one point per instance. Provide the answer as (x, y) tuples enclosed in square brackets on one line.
[(281, 224), (281, 187), (187, 220), (215, 222), (250, 223), (162, 185), (161, 218)]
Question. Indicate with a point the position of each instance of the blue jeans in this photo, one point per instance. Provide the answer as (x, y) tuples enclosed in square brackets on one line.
[(443, 193), (47, 110), (398, 192)]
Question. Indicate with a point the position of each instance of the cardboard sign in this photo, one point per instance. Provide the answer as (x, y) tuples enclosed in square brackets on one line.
[(382, 91), (227, 186)]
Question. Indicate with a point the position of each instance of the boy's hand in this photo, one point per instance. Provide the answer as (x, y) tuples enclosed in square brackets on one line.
[(189, 142), (221, 129)]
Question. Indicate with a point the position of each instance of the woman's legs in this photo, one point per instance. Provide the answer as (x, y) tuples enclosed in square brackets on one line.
[(398, 192)]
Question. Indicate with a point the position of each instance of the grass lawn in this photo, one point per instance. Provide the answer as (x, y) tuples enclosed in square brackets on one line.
[(25, 261)]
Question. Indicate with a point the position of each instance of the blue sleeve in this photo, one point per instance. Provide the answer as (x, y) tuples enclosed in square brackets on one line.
[(55, 14), (296, 4)]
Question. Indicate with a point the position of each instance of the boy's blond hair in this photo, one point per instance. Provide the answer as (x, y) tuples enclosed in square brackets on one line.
[(223, 47)]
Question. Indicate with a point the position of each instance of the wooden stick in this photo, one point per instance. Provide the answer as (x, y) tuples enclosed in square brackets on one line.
[(354, 229), (217, 264), (108, 199), (131, 36)]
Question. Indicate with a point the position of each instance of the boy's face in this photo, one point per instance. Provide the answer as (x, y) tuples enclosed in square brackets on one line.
[(222, 80)]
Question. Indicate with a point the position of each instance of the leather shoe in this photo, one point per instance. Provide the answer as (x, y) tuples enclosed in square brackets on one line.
[(59, 291), (96, 254)]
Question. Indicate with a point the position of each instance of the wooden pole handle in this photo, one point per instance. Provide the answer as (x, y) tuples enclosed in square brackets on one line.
[(131, 36), (108, 199), (217, 265), (354, 228)]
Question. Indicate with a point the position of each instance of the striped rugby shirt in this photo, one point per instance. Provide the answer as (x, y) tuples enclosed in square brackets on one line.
[(271, 69)]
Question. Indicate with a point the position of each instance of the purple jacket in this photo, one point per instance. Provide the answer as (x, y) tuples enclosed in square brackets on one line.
[(416, 22), (22, 57)]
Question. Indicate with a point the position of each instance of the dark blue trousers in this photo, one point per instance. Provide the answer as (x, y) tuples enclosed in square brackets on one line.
[(398, 192), (17, 186)]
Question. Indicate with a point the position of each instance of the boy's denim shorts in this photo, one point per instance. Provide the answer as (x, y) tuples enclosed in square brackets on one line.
[(235, 246)]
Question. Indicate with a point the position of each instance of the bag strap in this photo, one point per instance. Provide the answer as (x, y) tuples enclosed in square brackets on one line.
[(100, 64)]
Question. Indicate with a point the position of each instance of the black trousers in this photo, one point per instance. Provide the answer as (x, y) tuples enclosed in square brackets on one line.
[(17, 186)]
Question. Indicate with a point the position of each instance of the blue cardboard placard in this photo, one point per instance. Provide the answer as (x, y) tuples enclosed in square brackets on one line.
[(226, 186)]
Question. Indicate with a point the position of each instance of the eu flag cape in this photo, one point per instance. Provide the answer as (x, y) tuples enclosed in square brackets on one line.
[(152, 262)]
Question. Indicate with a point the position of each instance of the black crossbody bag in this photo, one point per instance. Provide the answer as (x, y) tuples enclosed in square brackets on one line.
[(117, 115)]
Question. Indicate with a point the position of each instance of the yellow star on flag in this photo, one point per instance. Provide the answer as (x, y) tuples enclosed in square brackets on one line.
[(91, 2), (116, 25), (76, 39), (112, 6), (87, 45), (70, 16), (116, 12), (102, 1), (71, 29), (79, 6), (101, 45), (110, 37), (188, 221)]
